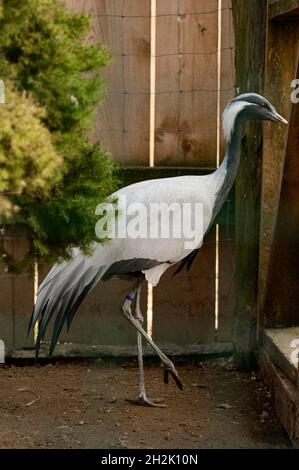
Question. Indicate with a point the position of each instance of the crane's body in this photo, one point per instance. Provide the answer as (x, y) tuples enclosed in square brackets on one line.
[(68, 283)]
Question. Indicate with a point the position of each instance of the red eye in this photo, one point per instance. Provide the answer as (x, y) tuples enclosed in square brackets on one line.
[(263, 105)]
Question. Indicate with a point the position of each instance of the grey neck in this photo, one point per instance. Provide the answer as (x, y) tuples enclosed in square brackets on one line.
[(227, 171)]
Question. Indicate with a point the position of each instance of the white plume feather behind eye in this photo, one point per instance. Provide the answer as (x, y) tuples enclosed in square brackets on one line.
[(229, 116)]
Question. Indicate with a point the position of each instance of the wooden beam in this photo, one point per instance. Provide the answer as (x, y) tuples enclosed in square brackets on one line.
[(134, 174), (283, 9), (250, 32), (281, 66), (75, 350), (282, 288), (278, 342), (285, 395)]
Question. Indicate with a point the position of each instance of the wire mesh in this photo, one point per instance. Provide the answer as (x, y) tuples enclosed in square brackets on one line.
[(124, 87)]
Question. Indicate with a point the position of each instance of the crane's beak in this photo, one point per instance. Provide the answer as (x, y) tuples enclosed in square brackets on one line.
[(278, 118)]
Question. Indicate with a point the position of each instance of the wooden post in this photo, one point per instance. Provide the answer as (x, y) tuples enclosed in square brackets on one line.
[(250, 18), (281, 68), (282, 288)]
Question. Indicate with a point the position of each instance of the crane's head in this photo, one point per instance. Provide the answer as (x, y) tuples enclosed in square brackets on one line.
[(248, 106)]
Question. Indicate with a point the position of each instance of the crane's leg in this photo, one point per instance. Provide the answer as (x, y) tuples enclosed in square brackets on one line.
[(167, 364), (142, 398)]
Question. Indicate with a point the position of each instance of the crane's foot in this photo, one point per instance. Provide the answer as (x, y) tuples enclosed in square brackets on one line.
[(142, 400), (170, 369)]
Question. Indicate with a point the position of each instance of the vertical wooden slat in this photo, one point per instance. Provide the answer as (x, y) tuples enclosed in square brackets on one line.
[(282, 288), (227, 62), (22, 294), (226, 286), (282, 39), (167, 84), (186, 83), (109, 118), (16, 291), (6, 302), (136, 65), (250, 32)]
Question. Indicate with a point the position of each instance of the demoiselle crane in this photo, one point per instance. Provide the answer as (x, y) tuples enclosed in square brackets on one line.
[(69, 282)]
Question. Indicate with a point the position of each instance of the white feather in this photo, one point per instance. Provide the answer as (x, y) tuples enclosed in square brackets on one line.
[(229, 116), (203, 189), (153, 275)]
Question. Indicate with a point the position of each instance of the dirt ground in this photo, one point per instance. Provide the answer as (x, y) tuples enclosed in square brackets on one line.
[(83, 405)]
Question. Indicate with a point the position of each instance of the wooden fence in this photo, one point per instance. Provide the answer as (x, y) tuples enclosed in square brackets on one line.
[(171, 76)]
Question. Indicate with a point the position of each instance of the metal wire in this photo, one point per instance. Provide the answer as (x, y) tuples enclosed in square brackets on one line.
[(173, 54), (159, 130), (161, 15), (167, 92), (178, 93)]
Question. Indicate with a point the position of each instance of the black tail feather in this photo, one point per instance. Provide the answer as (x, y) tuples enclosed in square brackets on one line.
[(63, 306)]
